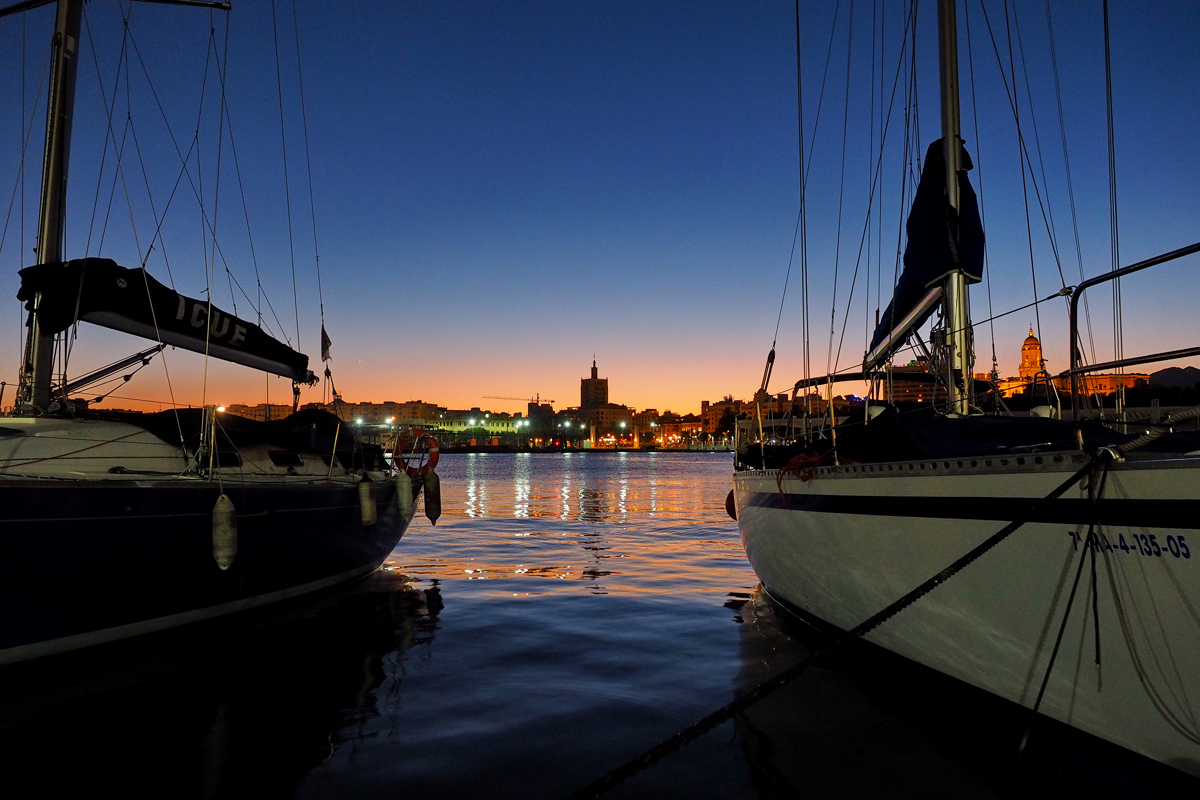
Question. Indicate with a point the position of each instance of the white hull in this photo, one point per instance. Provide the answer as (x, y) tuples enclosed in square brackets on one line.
[(852, 540)]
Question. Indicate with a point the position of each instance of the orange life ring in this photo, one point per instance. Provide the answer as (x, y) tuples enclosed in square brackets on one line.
[(431, 450)]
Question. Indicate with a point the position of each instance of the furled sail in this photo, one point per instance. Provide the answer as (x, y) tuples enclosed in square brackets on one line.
[(933, 250), (99, 291)]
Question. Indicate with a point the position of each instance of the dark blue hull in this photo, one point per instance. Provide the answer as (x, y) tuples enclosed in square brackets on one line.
[(86, 562)]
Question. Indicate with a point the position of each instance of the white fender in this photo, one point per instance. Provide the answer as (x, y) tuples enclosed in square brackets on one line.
[(366, 501), (404, 495), (224, 532)]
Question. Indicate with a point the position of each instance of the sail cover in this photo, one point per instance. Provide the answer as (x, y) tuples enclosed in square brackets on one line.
[(933, 251), (99, 291)]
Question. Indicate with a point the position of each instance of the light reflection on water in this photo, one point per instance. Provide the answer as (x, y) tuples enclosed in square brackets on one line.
[(591, 487)]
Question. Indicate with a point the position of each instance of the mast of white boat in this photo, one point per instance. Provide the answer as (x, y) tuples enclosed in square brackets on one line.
[(37, 369), (955, 303)]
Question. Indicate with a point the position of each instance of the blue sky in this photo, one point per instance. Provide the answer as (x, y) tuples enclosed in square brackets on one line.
[(504, 189)]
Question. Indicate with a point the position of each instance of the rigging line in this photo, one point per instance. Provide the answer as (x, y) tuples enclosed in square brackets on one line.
[(906, 150), (286, 189), (1115, 241), (22, 137), (1021, 152), (119, 172), (312, 205), (786, 278), (222, 106), (866, 223), (870, 176), (1011, 94), (1062, 130), (221, 69), (802, 216), (20, 181), (821, 95), (879, 224), (1037, 141), (109, 110), (158, 219), (878, 170), (837, 246), (1062, 628), (167, 124), (1154, 695), (987, 274)]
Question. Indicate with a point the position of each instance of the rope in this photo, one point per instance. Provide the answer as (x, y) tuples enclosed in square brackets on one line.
[(1187, 731), (287, 192), (312, 205), (1062, 129), (837, 242), (769, 686), (1062, 628), (1164, 426), (987, 272), (1115, 243)]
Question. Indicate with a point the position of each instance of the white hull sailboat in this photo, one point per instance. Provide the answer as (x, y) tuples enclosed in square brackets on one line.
[(853, 539), (842, 522)]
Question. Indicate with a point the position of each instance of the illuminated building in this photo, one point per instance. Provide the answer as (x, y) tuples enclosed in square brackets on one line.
[(593, 391)]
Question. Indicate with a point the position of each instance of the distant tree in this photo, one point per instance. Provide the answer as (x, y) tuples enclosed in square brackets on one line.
[(727, 422)]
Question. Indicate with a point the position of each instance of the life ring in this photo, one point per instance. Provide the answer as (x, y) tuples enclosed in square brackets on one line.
[(430, 451)]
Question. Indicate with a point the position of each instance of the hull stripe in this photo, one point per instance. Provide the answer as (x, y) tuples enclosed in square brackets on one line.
[(1184, 514)]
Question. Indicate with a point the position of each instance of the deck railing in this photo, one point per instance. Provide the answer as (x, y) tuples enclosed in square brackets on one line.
[(1076, 370)]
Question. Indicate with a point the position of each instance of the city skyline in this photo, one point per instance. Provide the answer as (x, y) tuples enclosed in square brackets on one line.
[(499, 193)]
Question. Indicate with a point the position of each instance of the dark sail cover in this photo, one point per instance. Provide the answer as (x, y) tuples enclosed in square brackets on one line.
[(99, 291), (933, 251)]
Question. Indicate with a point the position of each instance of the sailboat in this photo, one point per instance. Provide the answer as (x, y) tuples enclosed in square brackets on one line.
[(957, 539), (117, 525)]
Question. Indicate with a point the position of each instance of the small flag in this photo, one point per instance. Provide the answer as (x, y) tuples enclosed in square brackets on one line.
[(326, 343)]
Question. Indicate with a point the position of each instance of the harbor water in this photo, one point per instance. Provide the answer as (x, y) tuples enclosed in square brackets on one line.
[(567, 612)]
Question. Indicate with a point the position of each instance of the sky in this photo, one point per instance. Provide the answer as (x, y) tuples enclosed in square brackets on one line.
[(504, 190)]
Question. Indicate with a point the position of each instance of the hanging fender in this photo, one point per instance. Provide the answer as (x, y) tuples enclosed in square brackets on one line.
[(433, 497), (431, 449), (224, 532), (404, 495), (366, 501)]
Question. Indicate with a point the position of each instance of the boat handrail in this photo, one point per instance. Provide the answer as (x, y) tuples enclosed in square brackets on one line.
[(1076, 370)]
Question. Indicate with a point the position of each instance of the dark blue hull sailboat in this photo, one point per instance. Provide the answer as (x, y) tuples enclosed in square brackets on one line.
[(115, 525)]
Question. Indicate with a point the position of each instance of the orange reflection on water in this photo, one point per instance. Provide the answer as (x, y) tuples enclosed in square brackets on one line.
[(644, 523)]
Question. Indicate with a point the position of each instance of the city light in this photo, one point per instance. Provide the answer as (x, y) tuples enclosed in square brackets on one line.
[(358, 421), (220, 408)]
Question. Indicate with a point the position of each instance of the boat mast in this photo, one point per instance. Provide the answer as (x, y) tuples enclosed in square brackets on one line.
[(958, 319), (38, 368)]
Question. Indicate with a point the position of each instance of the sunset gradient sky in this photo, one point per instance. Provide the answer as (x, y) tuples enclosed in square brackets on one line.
[(503, 189)]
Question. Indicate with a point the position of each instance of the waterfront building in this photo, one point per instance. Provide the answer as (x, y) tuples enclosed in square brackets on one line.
[(593, 391), (1093, 383), (711, 413), (263, 412)]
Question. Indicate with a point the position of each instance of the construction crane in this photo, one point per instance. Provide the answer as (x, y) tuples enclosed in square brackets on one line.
[(536, 399)]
